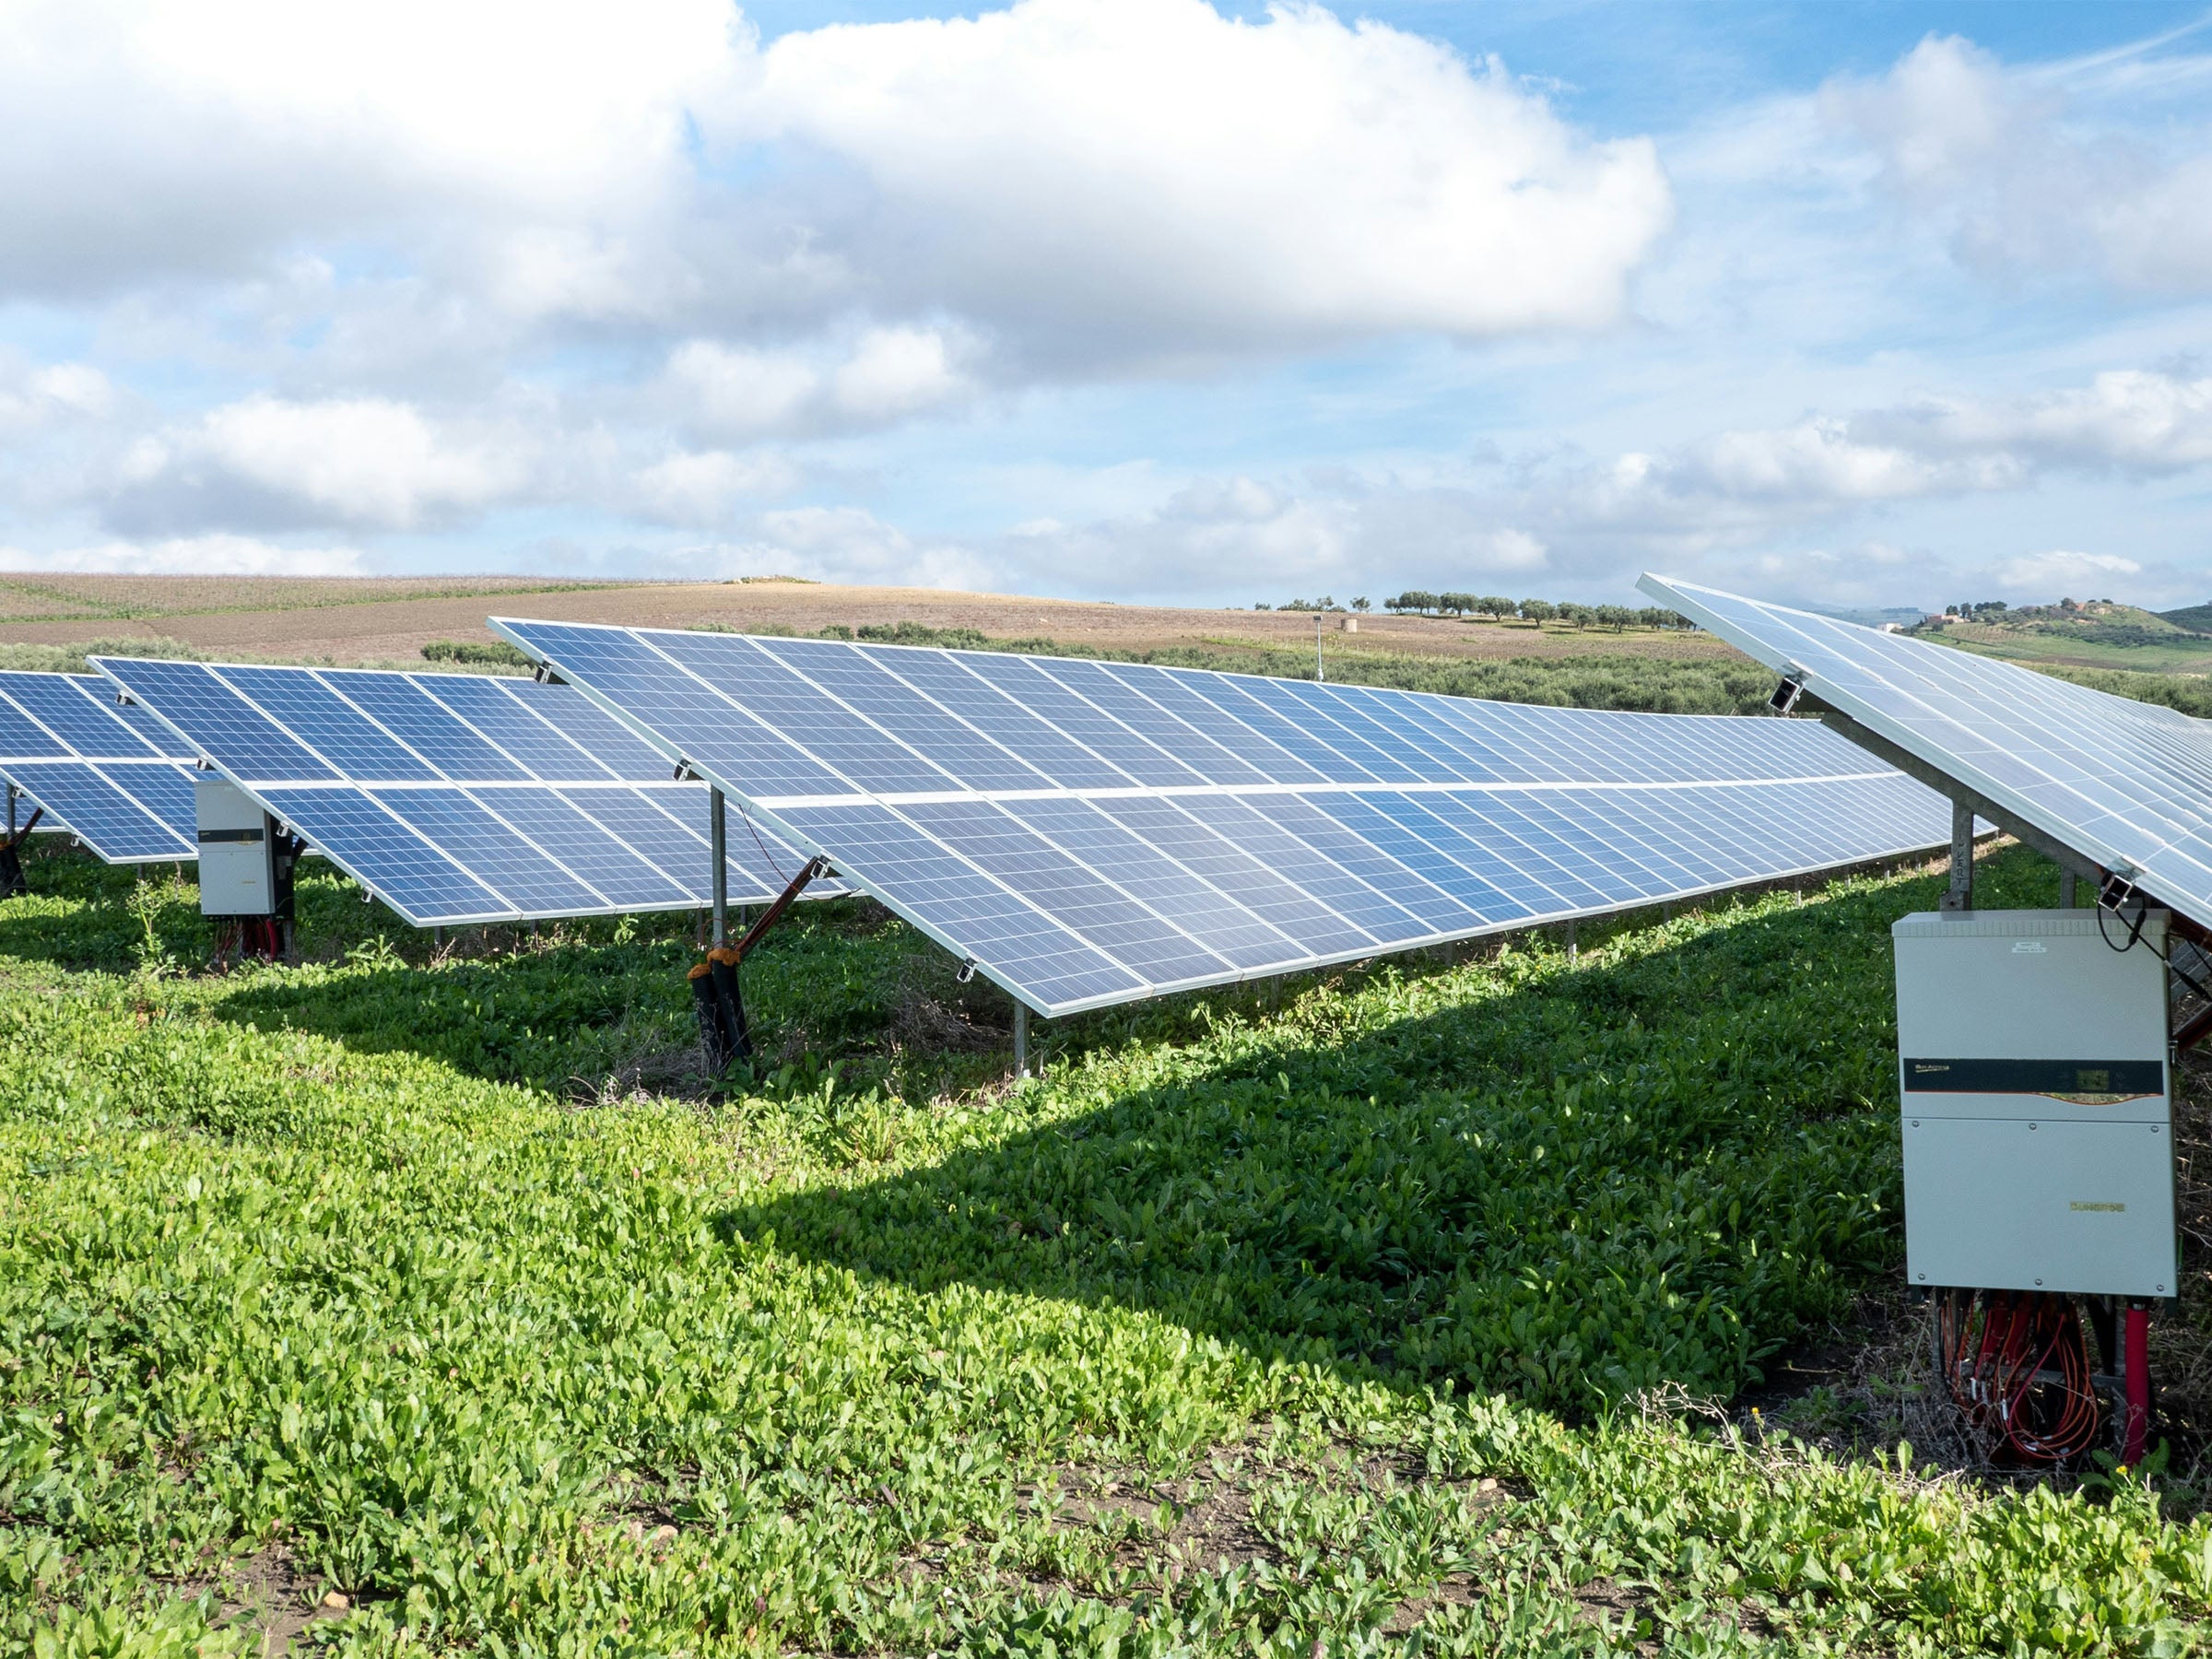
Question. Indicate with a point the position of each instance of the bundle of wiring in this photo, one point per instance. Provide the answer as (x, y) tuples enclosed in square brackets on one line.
[(2018, 1364)]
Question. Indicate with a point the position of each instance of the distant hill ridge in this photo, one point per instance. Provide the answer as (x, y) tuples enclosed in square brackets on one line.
[(2096, 633)]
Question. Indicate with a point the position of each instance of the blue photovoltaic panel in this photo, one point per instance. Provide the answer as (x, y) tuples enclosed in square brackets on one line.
[(459, 798), (1089, 833), (102, 772), (2127, 785)]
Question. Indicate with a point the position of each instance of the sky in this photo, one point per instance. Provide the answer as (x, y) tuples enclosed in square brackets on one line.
[(1145, 301)]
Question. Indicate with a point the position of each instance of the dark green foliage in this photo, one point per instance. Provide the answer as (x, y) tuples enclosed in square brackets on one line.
[(2191, 693), (476, 654), (2196, 619)]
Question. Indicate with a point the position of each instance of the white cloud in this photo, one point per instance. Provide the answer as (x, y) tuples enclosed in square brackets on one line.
[(1998, 161), (737, 394), (849, 544), (369, 461), (138, 140), (2133, 419), (31, 398), (1150, 173), (192, 555), (701, 488), (2059, 574), (1240, 539)]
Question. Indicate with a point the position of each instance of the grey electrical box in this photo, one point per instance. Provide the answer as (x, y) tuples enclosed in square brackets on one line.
[(2033, 1061), (241, 868)]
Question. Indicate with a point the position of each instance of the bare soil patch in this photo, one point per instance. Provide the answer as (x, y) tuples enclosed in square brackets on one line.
[(363, 620)]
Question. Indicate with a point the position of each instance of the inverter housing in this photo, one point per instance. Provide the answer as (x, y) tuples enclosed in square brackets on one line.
[(2035, 1066), (245, 861)]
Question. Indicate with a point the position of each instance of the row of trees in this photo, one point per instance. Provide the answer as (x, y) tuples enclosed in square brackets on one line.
[(1417, 603), (1323, 604)]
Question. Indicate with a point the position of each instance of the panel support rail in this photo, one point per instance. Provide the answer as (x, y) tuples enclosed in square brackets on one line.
[(717, 995), (13, 884), (1913, 766)]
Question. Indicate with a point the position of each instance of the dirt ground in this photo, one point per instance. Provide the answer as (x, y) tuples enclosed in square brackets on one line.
[(383, 619)]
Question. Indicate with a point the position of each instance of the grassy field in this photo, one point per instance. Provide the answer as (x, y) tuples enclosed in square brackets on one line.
[(2181, 654), (1373, 1320)]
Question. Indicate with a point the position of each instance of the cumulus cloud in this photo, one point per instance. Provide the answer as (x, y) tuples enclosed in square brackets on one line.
[(734, 393), (2059, 572), (1146, 176), (1997, 160), (366, 462), (222, 134), (1243, 538), (31, 398), (1151, 171), (1734, 484), (701, 489)]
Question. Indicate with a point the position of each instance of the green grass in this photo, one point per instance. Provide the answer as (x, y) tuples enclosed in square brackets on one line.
[(2175, 652), (1244, 1329)]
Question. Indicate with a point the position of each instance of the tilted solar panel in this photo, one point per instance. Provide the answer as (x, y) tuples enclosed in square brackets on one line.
[(108, 775), (1090, 833), (458, 798), (2125, 785)]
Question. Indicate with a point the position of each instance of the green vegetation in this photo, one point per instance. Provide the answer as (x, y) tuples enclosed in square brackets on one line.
[(476, 654), (72, 659), (1414, 602), (2191, 693), (2098, 634), (1245, 1329)]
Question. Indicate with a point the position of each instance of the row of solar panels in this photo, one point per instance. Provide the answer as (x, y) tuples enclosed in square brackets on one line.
[(2124, 787), (1084, 832), (496, 800)]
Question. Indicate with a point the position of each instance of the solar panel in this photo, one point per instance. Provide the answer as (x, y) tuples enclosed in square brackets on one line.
[(107, 775), (2124, 784), (1088, 833), (458, 798)]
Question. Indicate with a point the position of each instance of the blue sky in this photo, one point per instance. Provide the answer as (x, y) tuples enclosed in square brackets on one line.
[(1138, 299)]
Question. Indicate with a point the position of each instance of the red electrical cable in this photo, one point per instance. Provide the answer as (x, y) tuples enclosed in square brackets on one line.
[(2028, 1380)]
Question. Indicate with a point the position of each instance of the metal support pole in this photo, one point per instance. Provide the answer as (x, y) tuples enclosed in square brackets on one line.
[(1570, 944), (1960, 897), (718, 844), (1320, 670), (11, 812), (1022, 1039), (2065, 890)]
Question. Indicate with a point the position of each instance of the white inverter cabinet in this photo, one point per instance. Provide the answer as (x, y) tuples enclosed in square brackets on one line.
[(2033, 1060), (244, 869)]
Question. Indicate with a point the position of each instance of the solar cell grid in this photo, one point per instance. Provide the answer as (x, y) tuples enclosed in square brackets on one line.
[(2125, 785), (93, 768), (459, 798), (1091, 832), (520, 735)]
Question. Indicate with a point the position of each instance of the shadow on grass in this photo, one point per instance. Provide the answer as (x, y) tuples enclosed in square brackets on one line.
[(1576, 1183)]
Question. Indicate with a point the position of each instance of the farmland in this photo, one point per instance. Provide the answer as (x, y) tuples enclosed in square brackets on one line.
[(1373, 1312), (361, 621)]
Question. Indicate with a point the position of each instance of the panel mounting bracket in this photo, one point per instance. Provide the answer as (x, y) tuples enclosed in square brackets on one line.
[(1913, 767)]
